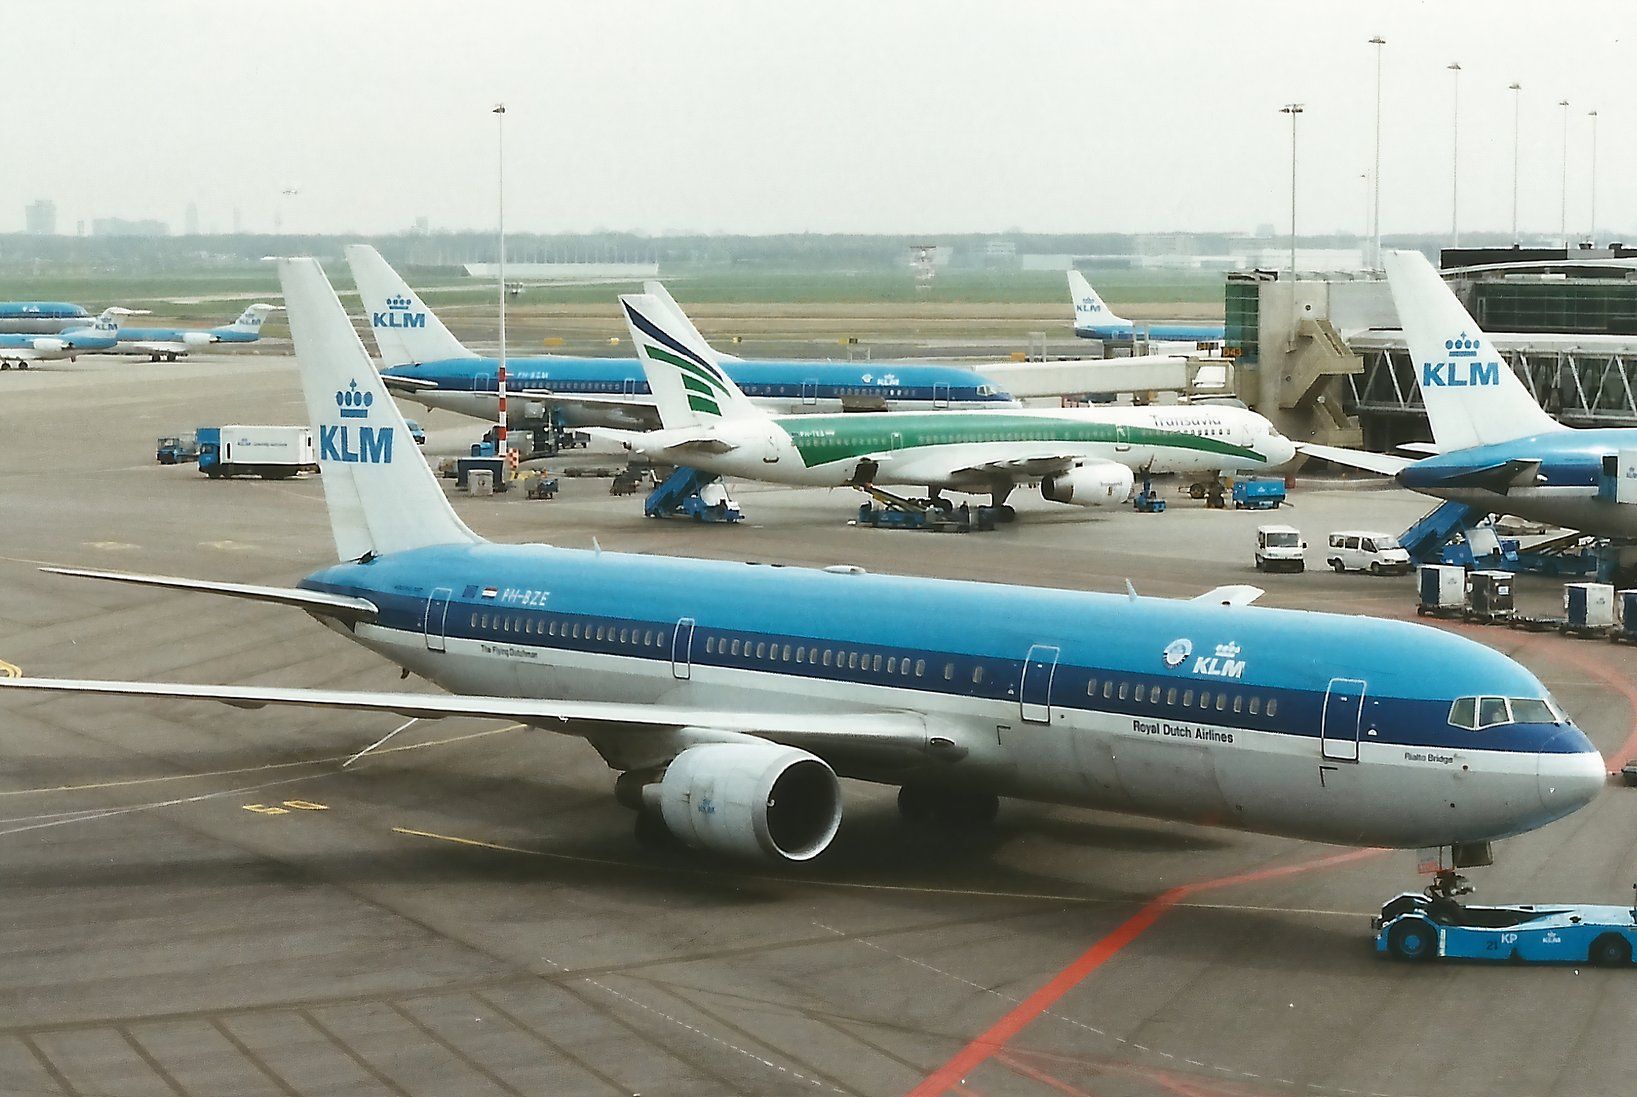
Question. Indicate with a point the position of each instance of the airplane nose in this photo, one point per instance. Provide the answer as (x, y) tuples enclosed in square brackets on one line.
[(1569, 779)]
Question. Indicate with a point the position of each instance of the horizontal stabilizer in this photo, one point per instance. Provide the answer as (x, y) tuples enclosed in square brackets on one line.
[(339, 606), (663, 441), (1383, 464)]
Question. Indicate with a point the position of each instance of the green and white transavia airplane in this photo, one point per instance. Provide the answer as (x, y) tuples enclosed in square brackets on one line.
[(1083, 456)]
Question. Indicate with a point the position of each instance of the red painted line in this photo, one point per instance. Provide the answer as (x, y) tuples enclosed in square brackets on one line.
[(981, 1049)]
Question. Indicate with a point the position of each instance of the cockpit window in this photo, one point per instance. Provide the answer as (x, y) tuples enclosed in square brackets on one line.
[(1478, 713), (1532, 710)]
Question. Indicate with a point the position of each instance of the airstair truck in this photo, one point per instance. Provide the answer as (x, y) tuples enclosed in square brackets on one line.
[(273, 453)]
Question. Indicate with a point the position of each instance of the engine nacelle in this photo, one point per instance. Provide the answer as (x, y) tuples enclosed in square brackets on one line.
[(753, 800), (198, 338), (50, 346), (1100, 485)]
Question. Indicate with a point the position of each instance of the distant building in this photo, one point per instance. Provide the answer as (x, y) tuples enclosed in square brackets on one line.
[(40, 218), (191, 219), (119, 226), (423, 226)]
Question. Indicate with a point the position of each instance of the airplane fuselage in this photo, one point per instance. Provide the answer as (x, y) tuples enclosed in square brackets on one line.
[(938, 450), (1566, 490), (1303, 724), (467, 386)]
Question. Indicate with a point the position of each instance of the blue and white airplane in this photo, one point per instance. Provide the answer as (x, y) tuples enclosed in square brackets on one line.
[(1095, 320), (731, 697), (422, 361), (173, 343), (40, 317), (1496, 449), (100, 334)]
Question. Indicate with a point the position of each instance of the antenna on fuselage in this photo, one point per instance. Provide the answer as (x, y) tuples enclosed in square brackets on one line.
[(1130, 591)]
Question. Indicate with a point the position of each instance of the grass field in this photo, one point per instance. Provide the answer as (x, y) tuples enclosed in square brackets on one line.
[(207, 294)]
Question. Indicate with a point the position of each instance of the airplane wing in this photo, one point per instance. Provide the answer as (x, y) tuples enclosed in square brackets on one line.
[(1384, 464), (153, 347), (903, 730), (636, 406), (395, 383), (319, 602), (662, 442), (1426, 449), (1499, 478)]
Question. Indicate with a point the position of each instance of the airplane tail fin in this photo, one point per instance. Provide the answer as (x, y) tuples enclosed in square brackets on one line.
[(252, 318), (381, 495), (1472, 396), (406, 331), (684, 373), (112, 318), (1089, 309)]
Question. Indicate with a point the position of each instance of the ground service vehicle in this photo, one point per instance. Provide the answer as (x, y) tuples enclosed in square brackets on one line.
[(1258, 493), (172, 450), (1280, 548), (273, 453), (1362, 550), (1413, 926)]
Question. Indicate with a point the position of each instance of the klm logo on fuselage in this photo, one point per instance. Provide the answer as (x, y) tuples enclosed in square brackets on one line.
[(354, 443), (398, 314), (1225, 663), (1463, 370)]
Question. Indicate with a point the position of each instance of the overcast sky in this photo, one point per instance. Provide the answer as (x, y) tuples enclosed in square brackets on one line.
[(836, 116)]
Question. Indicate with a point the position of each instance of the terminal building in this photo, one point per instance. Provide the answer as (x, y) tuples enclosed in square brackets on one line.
[(1321, 354)]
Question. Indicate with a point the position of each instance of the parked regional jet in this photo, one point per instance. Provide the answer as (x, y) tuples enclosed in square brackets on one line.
[(731, 696), (1497, 451), (173, 343), (1084, 456), (1095, 320), (422, 361), (40, 317), (101, 334)]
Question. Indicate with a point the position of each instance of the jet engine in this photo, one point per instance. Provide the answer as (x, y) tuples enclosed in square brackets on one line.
[(198, 338), (1100, 485), (50, 346), (753, 800)]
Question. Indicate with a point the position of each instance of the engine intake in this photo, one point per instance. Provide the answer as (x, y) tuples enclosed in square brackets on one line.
[(753, 800), (1100, 485)]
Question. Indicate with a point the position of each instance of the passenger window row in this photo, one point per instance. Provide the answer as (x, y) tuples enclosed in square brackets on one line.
[(1110, 689), (801, 654), (523, 625)]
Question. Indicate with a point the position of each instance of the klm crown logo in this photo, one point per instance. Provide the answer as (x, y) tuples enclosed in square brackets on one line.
[(1463, 370), (354, 404), (397, 314), (368, 446)]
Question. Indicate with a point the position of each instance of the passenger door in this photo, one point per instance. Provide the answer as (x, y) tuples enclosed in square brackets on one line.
[(940, 395), (437, 619), (1035, 691), (809, 393), (682, 649), (1122, 438), (1343, 716)]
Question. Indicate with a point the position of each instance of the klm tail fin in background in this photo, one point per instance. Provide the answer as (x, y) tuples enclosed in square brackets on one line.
[(109, 322), (1472, 396), (381, 495), (252, 318), (1089, 310), (683, 371), (406, 331)]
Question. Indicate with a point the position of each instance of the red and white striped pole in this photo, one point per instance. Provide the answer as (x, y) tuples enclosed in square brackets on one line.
[(500, 374)]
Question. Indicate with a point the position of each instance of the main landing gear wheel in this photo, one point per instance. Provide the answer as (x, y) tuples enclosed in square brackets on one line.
[(1413, 939), (651, 831), (1006, 513), (1610, 950)]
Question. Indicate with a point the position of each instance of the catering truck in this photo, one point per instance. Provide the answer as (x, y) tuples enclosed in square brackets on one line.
[(273, 453)]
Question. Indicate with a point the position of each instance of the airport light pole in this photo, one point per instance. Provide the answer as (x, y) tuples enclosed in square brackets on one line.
[(1592, 235), (1292, 109), (1375, 207), (1455, 156), (1563, 183), (1517, 115), (499, 111)]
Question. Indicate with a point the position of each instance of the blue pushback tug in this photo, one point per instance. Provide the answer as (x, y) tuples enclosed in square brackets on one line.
[(1416, 926)]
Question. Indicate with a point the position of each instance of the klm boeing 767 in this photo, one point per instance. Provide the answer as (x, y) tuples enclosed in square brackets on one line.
[(732, 697)]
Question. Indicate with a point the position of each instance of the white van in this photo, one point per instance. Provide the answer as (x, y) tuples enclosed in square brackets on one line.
[(1364, 550), (1280, 548)]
